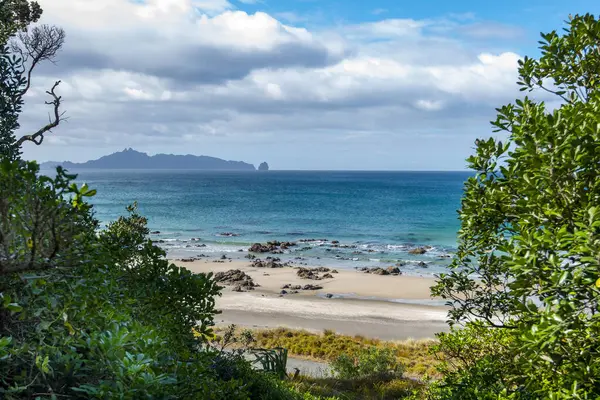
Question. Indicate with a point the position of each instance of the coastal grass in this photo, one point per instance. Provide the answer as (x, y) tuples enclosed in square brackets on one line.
[(368, 388), (415, 355)]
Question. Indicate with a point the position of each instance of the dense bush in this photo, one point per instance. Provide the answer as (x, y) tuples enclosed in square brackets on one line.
[(526, 278), (76, 317), (371, 361)]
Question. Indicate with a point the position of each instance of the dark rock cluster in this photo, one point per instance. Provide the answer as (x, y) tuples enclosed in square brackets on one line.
[(293, 289), (308, 273), (419, 250), (269, 263), (381, 271), (192, 259), (274, 247), (240, 281)]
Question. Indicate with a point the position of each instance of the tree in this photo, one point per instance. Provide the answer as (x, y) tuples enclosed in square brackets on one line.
[(16, 15), (528, 263), (21, 51)]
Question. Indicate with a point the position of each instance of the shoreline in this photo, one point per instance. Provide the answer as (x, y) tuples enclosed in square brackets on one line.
[(416, 259), (381, 316)]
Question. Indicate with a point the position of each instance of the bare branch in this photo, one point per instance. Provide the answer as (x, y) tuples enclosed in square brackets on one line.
[(40, 44), (38, 137)]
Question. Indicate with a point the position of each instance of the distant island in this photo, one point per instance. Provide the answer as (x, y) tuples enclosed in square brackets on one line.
[(132, 159), (263, 167)]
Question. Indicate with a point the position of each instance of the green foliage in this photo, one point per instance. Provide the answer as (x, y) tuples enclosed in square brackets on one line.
[(73, 315), (413, 355), (124, 237), (16, 15), (368, 388), (528, 260), (39, 229), (272, 360), (368, 362), (477, 360), (12, 83)]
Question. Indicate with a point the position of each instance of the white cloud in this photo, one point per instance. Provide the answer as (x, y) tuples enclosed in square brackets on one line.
[(430, 105), (488, 29), (137, 94), (379, 11), (387, 28), (151, 74)]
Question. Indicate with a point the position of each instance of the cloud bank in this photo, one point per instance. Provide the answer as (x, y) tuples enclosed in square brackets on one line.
[(202, 77)]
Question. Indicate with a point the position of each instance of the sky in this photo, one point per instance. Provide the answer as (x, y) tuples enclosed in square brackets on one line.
[(301, 84)]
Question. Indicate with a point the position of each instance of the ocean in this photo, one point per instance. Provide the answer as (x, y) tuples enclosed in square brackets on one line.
[(377, 217)]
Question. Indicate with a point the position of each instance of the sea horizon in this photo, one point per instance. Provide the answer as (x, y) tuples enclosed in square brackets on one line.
[(251, 172)]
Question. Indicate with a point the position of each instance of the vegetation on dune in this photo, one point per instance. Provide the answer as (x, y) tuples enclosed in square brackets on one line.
[(414, 356), (366, 388), (359, 368), (531, 234)]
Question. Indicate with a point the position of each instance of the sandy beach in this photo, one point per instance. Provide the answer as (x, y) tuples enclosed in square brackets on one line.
[(387, 307)]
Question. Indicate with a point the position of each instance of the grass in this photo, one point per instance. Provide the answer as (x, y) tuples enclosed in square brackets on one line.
[(415, 355), (371, 388)]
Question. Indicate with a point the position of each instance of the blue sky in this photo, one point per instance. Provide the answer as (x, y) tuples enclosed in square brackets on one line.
[(302, 84), (527, 17)]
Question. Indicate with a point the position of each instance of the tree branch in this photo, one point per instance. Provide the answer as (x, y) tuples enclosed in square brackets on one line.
[(38, 137), (42, 44)]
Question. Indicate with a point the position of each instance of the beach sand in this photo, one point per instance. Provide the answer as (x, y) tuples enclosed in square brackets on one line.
[(385, 307)]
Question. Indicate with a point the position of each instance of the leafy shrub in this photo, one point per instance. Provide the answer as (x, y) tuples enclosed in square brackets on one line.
[(369, 388), (526, 276), (368, 362), (39, 228)]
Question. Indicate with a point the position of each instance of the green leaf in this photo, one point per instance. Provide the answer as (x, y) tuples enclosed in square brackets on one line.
[(563, 277), (547, 358), (13, 307), (5, 341)]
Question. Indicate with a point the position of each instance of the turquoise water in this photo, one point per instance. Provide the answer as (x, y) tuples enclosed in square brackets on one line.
[(380, 216)]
